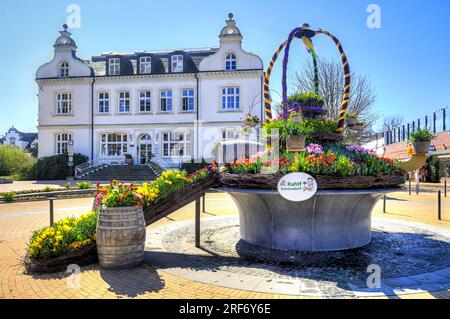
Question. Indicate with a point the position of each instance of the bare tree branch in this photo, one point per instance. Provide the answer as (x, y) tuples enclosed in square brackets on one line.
[(390, 123), (331, 89)]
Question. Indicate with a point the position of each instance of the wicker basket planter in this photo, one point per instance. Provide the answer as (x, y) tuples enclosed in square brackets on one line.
[(295, 142), (82, 257), (422, 147), (120, 237), (270, 181)]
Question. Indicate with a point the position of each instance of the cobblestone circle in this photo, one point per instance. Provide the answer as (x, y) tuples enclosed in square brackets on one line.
[(400, 250)]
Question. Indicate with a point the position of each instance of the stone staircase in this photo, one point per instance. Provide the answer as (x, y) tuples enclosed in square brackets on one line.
[(125, 173)]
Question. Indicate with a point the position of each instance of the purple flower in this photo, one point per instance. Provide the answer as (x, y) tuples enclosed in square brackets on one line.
[(314, 148), (358, 148)]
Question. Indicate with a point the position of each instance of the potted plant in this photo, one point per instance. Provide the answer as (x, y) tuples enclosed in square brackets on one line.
[(421, 140), (251, 120), (128, 159), (350, 118), (120, 226), (296, 116), (296, 135)]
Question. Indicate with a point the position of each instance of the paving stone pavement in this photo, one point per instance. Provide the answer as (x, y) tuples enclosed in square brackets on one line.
[(17, 220)]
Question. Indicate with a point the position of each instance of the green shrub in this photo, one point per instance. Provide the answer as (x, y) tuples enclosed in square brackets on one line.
[(433, 166), (9, 197), (68, 185), (55, 167), (421, 136), (318, 125), (84, 185), (14, 161), (48, 189)]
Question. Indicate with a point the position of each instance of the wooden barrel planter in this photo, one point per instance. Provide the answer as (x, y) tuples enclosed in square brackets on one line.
[(120, 237)]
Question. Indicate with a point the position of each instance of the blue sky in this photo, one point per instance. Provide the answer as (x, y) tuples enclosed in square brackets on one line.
[(407, 59)]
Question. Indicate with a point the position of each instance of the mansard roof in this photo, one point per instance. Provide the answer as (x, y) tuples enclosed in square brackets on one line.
[(160, 61)]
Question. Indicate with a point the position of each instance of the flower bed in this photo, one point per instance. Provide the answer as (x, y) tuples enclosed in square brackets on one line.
[(69, 241), (73, 240), (334, 167)]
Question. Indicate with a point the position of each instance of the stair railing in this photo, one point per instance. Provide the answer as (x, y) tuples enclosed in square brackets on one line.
[(88, 166)]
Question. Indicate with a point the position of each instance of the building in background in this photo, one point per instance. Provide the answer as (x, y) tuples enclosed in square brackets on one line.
[(24, 141), (147, 103)]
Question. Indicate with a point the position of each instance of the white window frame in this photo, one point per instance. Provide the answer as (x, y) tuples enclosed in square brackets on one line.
[(171, 146), (176, 63), (229, 134), (64, 70), (62, 142), (125, 99), (145, 101), (230, 97), (188, 98), (114, 66), (166, 98), (103, 105), (63, 103), (145, 65), (230, 62), (12, 141), (118, 141)]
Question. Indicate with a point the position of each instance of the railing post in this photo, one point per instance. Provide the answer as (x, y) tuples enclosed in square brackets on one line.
[(204, 204), (439, 204), (409, 187), (384, 204), (443, 119), (52, 217), (445, 188), (434, 122), (197, 222)]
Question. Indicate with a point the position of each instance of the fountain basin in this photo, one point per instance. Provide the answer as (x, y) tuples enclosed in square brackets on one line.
[(331, 220)]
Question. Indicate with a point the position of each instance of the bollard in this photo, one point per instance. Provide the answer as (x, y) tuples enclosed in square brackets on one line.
[(51, 211), (439, 204), (197, 223), (409, 186), (384, 204)]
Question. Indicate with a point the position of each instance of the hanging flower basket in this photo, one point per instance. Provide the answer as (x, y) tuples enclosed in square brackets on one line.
[(250, 123)]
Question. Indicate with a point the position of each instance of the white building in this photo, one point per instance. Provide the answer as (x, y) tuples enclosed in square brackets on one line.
[(147, 102), (19, 139)]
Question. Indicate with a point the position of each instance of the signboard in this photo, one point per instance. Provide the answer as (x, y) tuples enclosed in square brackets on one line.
[(70, 150), (297, 187)]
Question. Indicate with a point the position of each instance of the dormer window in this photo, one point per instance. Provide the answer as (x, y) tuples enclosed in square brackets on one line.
[(114, 66), (230, 62), (145, 65), (64, 70), (177, 63)]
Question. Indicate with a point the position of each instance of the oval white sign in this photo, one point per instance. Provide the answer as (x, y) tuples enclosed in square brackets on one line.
[(297, 187)]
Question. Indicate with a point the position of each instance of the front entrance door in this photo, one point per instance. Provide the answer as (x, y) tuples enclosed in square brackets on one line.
[(145, 149)]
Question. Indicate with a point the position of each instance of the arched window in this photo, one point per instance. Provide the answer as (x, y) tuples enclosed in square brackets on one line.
[(230, 62), (64, 69)]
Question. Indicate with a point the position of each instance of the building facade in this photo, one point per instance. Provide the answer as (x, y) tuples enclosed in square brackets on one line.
[(24, 141), (166, 104)]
